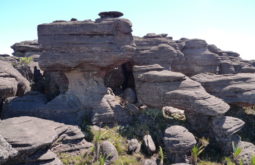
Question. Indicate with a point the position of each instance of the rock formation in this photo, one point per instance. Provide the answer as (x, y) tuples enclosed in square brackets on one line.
[(84, 51), (178, 142), (38, 140), (232, 88), (99, 71), (26, 48)]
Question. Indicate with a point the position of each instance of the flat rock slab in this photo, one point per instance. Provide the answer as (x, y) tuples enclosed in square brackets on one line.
[(232, 88), (30, 135)]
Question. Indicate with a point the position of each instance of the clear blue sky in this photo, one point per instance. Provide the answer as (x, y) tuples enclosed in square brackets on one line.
[(229, 24)]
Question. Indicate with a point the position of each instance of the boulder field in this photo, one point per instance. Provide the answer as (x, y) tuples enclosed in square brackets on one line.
[(99, 72)]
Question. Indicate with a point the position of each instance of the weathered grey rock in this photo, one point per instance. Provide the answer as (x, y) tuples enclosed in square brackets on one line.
[(12, 83), (247, 152), (149, 162), (129, 95), (26, 48), (171, 111), (109, 112), (178, 141), (103, 44), (224, 129), (29, 135), (109, 150), (149, 144), (226, 126), (197, 59), (83, 51), (156, 49), (43, 158), (233, 88), (6, 151), (134, 146), (174, 89), (162, 54), (28, 105)]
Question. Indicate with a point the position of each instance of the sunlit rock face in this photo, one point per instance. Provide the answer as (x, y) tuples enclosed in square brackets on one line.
[(84, 51)]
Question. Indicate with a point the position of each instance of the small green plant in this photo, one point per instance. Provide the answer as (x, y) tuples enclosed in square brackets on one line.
[(161, 155), (198, 149), (102, 160), (25, 60), (234, 158), (253, 160)]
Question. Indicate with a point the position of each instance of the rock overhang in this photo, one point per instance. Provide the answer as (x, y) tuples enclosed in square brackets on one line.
[(101, 44)]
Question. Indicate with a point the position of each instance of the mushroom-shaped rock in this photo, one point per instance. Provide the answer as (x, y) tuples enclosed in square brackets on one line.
[(84, 51), (178, 141), (225, 126), (109, 151), (232, 88)]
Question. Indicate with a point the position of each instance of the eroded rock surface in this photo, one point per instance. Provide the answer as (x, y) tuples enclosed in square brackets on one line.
[(232, 88), (32, 137), (178, 141), (6, 151), (12, 83), (158, 88), (84, 51)]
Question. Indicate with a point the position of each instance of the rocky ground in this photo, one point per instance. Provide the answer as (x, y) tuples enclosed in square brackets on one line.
[(89, 92)]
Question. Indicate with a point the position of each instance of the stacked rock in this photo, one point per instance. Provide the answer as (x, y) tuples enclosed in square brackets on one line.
[(189, 56), (167, 88), (83, 51), (233, 88), (26, 48)]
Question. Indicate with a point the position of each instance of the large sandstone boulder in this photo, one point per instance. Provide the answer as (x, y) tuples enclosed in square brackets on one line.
[(109, 151), (247, 152), (232, 88), (178, 142), (31, 136), (156, 49), (197, 58), (158, 88), (12, 83)]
